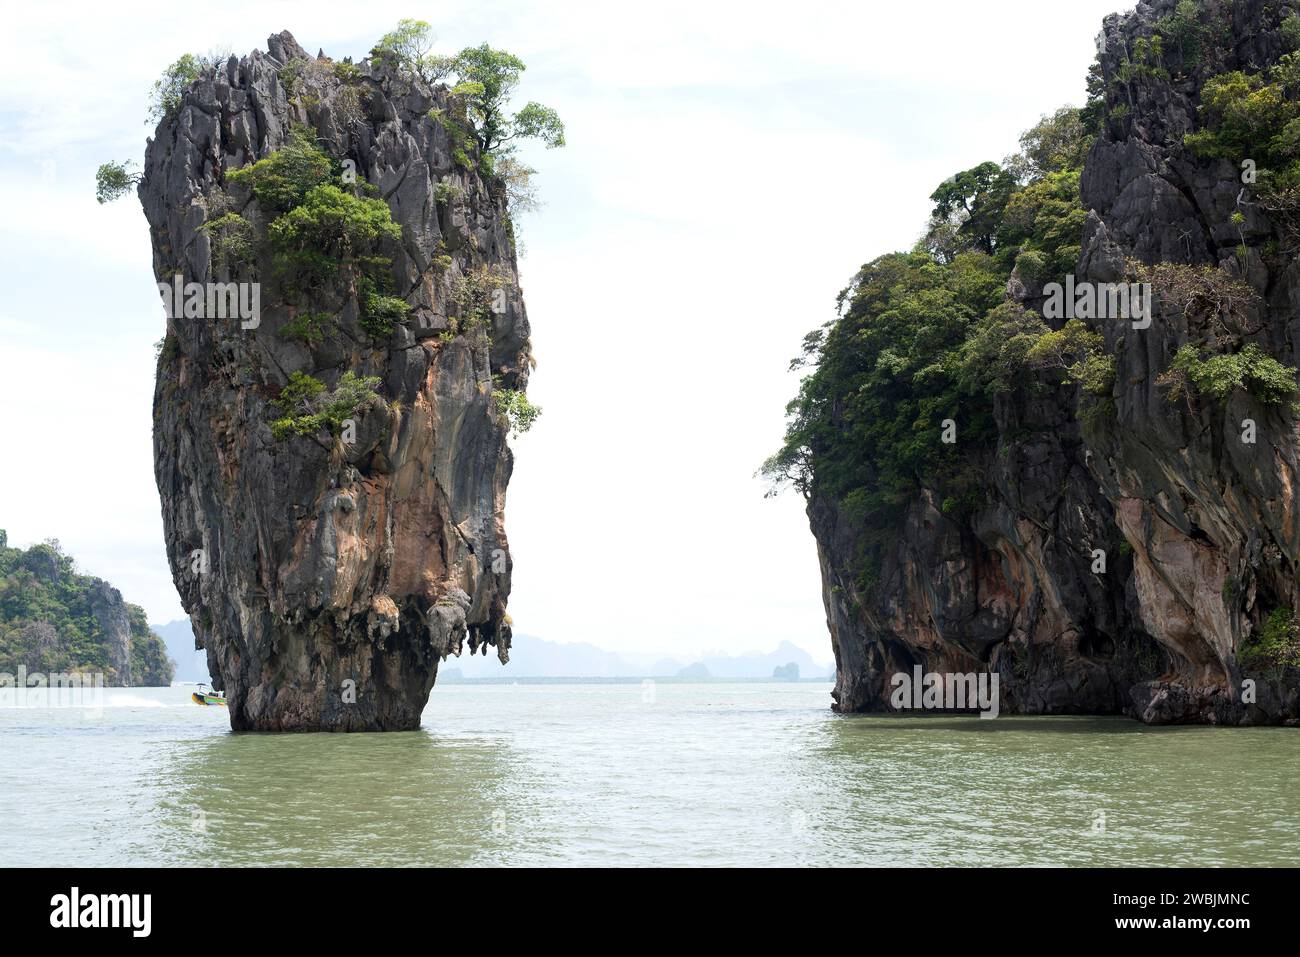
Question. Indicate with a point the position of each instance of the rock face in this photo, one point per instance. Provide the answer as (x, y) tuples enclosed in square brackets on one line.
[(1211, 518), (327, 575), (1201, 529), (110, 614)]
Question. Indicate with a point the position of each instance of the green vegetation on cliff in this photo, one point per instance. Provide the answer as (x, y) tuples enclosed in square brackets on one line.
[(1216, 376), (1253, 121), (486, 80), (1273, 647), (1253, 116), (520, 414), (165, 95), (307, 407), (319, 229), (888, 407), (54, 619), (929, 346), (316, 235), (1219, 309), (114, 179), (484, 133)]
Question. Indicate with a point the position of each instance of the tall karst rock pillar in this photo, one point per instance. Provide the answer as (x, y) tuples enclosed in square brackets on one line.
[(329, 447)]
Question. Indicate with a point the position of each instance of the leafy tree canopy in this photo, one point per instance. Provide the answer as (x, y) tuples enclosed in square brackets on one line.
[(1055, 143), (114, 180), (975, 198), (489, 78), (411, 47)]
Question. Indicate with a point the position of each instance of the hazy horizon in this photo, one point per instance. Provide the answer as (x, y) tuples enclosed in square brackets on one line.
[(535, 656)]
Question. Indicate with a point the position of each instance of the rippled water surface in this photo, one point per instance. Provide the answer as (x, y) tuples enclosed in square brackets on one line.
[(622, 774)]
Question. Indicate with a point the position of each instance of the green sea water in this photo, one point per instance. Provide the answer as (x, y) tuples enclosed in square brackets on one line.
[(631, 774)]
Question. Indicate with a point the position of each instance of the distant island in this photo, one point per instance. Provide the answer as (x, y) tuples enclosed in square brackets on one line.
[(53, 619), (532, 657)]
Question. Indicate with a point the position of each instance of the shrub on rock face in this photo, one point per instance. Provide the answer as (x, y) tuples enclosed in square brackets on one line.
[(232, 239), (308, 327), (316, 225), (322, 234), (1274, 646), (315, 220), (1220, 312), (1212, 302), (1078, 352), (477, 296), (329, 227), (379, 313), (1256, 117), (307, 407), (282, 180), (1216, 376), (1250, 116)]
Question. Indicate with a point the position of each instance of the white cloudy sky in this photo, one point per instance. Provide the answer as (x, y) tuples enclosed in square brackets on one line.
[(729, 166)]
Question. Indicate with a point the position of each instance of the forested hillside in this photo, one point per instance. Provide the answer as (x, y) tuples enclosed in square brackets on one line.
[(54, 619)]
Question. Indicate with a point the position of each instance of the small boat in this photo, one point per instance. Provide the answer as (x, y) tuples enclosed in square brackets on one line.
[(205, 697)]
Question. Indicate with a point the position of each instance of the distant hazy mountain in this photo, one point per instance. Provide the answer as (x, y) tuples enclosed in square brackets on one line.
[(191, 665), (762, 665), (696, 672), (535, 658), (538, 658), (532, 657)]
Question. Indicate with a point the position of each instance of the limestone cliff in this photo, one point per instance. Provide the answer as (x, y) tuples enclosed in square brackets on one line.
[(1199, 527), (333, 471), (1211, 518)]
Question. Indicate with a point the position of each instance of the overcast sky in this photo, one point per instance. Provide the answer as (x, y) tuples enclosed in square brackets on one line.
[(728, 168)]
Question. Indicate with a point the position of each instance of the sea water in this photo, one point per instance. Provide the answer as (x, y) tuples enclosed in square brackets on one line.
[(747, 773)]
